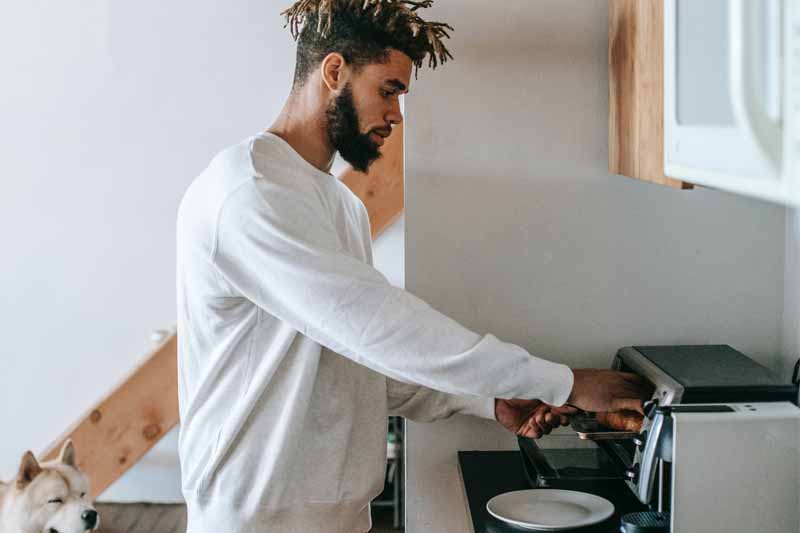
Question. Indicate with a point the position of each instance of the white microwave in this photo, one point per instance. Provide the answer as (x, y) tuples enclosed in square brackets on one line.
[(732, 95)]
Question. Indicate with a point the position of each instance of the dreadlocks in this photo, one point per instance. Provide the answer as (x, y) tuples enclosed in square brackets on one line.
[(363, 31)]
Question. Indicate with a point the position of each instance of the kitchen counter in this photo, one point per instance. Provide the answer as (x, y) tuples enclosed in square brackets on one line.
[(487, 474)]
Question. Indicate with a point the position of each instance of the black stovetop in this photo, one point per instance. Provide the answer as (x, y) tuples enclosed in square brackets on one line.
[(487, 474)]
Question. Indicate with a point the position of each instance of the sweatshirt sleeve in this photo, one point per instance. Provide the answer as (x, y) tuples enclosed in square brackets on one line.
[(278, 248), (421, 404)]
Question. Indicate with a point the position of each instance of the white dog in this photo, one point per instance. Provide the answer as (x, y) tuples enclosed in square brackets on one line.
[(49, 497)]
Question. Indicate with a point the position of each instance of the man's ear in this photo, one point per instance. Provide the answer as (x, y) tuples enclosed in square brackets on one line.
[(28, 470), (334, 71), (68, 454)]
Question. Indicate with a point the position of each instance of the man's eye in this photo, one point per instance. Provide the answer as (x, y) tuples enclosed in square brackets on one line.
[(387, 94), (56, 500)]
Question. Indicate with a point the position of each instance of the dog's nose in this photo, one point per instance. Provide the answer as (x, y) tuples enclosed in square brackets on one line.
[(89, 518)]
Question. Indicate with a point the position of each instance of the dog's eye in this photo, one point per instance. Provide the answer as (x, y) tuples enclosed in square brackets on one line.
[(56, 500), (83, 494)]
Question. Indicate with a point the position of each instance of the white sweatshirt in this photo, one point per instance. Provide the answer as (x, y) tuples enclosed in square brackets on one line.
[(293, 350)]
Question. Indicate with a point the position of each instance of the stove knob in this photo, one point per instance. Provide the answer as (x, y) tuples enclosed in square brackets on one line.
[(633, 474)]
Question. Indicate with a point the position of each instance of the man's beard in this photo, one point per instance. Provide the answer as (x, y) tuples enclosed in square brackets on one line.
[(343, 132)]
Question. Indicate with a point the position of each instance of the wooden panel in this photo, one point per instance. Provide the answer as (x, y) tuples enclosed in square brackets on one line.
[(381, 189), (141, 518), (636, 91), (171, 518), (122, 427)]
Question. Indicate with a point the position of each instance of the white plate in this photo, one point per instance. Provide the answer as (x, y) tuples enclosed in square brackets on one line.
[(549, 509)]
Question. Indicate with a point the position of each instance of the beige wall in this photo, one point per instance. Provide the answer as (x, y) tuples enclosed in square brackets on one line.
[(515, 227)]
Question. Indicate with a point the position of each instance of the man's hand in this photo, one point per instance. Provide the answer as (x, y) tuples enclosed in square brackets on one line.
[(599, 390), (530, 418)]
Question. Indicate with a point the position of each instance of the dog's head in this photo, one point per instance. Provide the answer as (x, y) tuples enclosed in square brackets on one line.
[(52, 497)]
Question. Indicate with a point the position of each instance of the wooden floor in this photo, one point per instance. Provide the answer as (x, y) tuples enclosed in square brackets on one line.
[(141, 517), (158, 518)]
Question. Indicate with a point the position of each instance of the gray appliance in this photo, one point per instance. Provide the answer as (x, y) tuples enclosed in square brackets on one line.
[(719, 448)]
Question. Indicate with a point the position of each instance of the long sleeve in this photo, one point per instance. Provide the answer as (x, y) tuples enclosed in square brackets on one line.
[(277, 247), (422, 404)]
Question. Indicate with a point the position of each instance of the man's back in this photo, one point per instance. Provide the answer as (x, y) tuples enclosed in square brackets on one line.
[(277, 430)]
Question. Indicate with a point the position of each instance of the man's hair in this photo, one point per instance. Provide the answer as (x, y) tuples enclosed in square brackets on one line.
[(363, 32)]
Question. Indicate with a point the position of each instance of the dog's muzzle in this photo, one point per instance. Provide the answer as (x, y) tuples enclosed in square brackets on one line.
[(89, 518)]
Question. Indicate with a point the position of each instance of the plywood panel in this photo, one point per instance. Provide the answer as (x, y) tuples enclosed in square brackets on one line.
[(381, 189), (636, 91), (122, 427)]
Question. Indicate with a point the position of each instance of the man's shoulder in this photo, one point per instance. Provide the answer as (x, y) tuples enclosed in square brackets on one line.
[(225, 172), (234, 167), (353, 202)]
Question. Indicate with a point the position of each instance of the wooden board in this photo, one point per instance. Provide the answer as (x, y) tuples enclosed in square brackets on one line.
[(171, 518), (123, 426), (636, 91), (381, 189)]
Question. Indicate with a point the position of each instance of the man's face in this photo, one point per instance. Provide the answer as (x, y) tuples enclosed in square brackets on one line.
[(361, 116)]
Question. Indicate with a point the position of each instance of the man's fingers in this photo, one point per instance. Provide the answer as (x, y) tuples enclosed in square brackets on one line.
[(634, 386), (565, 410), (632, 390), (551, 419), (630, 376), (531, 430), (640, 387), (542, 429), (627, 404)]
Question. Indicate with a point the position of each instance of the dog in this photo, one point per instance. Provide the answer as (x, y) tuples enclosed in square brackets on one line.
[(48, 497)]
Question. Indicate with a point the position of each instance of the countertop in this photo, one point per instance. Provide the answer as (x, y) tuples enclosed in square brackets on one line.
[(487, 474)]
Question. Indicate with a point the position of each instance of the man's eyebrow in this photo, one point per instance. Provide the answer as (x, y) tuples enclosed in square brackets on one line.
[(397, 84)]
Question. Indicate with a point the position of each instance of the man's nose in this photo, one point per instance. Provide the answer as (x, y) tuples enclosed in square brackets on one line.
[(395, 116), (89, 518)]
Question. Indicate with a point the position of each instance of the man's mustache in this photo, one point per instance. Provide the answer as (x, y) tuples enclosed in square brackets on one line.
[(383, 132)]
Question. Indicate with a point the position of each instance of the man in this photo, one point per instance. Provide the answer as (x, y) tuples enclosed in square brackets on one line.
[(293, 349)]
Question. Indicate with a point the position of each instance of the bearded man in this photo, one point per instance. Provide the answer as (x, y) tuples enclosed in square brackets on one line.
[(293, 349)]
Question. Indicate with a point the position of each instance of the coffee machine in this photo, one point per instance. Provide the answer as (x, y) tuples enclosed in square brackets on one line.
[(718, 450)]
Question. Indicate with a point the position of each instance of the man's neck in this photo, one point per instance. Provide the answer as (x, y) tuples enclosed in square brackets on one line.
[(301, 123)]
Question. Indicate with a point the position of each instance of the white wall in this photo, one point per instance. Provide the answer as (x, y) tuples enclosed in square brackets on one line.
[(389, 252), (109, 109), (791, 318), (515, 227)]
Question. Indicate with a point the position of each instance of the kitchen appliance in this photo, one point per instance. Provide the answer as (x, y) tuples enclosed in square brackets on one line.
[(732, 95), (719, 448)]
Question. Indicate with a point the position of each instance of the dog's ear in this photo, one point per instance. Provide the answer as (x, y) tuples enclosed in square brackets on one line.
[(68, 454), (28, 470)]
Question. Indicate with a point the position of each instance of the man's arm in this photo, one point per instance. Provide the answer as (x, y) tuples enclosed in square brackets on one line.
[(275, 246), (422, 404), (526, 418)]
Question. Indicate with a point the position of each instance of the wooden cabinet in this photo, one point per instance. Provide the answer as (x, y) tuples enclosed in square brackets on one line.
[(707, 92), (636, 91)]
